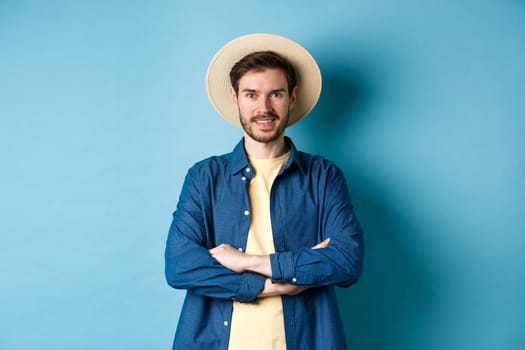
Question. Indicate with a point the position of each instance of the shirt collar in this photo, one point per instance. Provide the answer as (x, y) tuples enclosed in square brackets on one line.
[(239, 160)]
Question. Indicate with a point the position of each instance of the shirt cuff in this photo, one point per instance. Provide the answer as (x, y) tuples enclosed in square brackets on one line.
[(283, 269)]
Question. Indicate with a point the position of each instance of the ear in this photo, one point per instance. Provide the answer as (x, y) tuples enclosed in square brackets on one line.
[(233, 96), (293, 97)]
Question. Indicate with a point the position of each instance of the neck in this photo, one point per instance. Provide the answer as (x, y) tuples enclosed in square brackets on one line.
[(265, 150)]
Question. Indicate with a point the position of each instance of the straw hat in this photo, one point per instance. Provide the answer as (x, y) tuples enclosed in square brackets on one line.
[(306, 70)]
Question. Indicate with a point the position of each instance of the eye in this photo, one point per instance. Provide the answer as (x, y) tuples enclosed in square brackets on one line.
[(250, 95), (277, 94)]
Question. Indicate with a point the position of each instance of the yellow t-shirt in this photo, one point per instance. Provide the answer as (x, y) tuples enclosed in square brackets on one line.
[(260, 325)]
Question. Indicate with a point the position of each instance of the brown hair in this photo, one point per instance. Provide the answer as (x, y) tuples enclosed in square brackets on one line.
[(259, 61)]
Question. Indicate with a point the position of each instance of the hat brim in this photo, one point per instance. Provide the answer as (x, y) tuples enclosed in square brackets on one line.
[(307, 73)]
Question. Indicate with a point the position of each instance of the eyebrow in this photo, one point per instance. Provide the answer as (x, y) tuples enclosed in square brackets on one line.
[(273, 91)]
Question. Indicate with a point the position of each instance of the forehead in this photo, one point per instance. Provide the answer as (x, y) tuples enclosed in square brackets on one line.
[(268, 76)]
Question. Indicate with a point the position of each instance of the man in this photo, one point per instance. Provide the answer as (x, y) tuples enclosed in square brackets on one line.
[(261, 235)]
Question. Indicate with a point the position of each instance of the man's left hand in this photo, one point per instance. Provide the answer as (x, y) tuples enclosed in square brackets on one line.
[(229, 257), (237, 261)]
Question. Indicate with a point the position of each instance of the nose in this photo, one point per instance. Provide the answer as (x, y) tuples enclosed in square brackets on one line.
[(264, 104)]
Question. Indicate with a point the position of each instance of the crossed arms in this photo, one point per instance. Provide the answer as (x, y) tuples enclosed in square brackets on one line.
[(239, 262), (192, 262)]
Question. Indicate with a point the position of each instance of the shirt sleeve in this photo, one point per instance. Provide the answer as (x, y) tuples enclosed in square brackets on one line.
[(188, 265), (340, 263)]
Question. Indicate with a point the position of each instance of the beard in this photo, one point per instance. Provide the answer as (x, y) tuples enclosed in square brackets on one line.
[(265, 136)]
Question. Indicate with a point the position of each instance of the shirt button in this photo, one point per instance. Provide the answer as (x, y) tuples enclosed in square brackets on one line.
[(226, 323), (294, 279), (246, 212), (243, 178), (247, 170), (240, 249)]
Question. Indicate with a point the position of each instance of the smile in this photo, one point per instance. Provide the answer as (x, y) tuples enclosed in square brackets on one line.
[(264, 121), (264, 124)]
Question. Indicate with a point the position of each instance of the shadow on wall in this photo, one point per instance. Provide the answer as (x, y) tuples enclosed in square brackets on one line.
[(394, 297)]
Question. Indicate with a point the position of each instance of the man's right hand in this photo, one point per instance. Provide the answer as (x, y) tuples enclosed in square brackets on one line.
[(273, 289), (323, 244)]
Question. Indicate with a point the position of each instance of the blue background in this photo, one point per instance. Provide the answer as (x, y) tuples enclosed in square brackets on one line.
[(103, 109)]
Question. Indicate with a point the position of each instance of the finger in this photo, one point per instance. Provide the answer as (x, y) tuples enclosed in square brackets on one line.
[(323, 244), (217, 248)]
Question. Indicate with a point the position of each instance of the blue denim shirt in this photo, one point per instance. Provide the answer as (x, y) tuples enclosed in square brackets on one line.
[(309, 202)]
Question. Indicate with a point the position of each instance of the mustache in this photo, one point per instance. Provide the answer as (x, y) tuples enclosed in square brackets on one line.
[(265, 116)]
